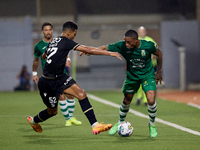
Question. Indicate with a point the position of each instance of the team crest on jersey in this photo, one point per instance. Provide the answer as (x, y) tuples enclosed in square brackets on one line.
[(143, 53)]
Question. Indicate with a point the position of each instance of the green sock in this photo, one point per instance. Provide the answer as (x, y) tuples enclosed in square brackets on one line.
[(64, 108), (71, 107), (123, 112), (152, 113)]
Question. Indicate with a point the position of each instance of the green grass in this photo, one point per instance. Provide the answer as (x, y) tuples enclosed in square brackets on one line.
[(17, 134)]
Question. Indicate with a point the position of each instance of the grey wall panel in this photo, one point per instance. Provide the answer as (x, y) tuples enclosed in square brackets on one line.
[(186, 33), (15, 50)]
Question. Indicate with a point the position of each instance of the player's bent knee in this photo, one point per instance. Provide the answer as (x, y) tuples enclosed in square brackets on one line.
[(62, 97), (127, 99), (82, 95), (151, 101)]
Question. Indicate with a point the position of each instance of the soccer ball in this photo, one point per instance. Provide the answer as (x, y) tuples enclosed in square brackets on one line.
[(125, 129)]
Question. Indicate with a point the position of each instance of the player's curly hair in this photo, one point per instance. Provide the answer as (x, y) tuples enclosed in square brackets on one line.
[(131, 33), (47, 24), (69, 25)]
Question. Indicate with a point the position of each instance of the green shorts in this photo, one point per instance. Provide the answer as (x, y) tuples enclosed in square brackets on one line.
[(131, 87)]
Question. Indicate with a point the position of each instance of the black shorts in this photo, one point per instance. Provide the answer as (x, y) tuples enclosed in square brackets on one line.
[(50, 89)]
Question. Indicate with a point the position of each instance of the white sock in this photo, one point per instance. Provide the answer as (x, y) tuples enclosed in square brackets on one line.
[(94, 124), (32, 122), (152, 113)]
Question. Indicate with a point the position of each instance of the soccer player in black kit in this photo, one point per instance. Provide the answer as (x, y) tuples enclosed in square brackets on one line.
[(54, 82)]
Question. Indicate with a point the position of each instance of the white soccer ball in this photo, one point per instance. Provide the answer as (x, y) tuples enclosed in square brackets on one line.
[(125, 129)]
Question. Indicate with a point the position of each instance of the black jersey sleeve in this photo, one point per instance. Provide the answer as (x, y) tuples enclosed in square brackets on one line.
[(70, 44)]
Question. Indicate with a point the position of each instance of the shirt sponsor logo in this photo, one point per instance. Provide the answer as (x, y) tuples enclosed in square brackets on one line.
[(44, 47), (129, 90), (145, 83), (67, 81)]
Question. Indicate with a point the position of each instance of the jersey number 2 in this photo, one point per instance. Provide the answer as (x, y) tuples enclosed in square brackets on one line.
[(51, 52)]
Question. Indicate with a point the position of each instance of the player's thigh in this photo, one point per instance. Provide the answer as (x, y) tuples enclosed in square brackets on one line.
[(130, 87), (47, 94), (76, 91), (149, 84), (49, 99), (149, 87)]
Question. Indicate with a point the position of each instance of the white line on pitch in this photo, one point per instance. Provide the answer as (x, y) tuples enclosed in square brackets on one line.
[(143, 115), (194, 105)]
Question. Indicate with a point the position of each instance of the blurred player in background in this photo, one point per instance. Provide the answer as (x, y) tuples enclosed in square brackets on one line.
[(54, 82), (142, 33), (139, 71), (67, 104)]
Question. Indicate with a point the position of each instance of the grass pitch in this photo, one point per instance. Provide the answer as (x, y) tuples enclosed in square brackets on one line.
[(17, 134)]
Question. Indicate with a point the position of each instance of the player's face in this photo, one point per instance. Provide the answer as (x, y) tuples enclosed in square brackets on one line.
[(72, 34), (142, 32), (47, 31), (131, 42)]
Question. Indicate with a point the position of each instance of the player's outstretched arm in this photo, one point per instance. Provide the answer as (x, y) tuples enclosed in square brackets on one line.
[(104, 47), (96, 51), (158, 53)]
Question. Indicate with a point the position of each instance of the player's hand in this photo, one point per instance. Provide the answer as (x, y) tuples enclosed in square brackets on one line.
[(84, 53), (35, 79), (158, 77), (44, 55), (115, 54)]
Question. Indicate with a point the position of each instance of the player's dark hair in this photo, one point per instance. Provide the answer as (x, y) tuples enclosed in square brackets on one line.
[(47, 24), (69, 25), (131, 33)]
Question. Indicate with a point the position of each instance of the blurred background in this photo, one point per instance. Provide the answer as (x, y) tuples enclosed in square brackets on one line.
[(173, 24)]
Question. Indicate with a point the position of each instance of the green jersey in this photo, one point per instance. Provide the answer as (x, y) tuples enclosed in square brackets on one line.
[(147, 38), (39, 49), (139, 65)]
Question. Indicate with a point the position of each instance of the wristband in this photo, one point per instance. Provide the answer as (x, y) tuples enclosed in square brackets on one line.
[(34, 73), (68, 59)]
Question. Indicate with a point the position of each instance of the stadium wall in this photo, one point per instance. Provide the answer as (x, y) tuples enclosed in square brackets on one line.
[(15, 50), (187, 34)]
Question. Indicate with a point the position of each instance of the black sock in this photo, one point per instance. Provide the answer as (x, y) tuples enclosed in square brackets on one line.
[(88, 110), (42, 116)]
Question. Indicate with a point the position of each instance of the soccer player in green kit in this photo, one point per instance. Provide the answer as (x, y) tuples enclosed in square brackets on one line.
[(139, 71), (66, 105)]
